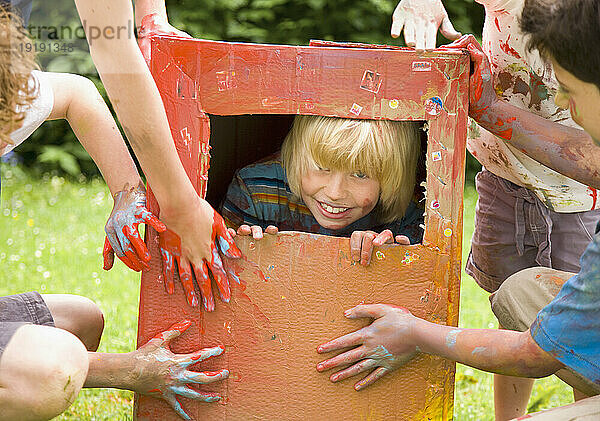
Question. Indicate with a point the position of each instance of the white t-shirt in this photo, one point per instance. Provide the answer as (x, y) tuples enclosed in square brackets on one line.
[(35, 113), (524, 80)]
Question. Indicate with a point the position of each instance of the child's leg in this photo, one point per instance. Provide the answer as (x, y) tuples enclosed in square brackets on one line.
[(78, 315), (42, 368), (512, 229), (511, 396), (517, 303)]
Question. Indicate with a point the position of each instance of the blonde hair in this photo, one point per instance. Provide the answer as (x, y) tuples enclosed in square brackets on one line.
[(384, 150), (16, 64)]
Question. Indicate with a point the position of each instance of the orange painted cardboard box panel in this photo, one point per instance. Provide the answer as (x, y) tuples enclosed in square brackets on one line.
[(294, 286)]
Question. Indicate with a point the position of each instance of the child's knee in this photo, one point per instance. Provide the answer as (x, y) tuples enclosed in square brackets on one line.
[(78, 315), (42, 370), (91, 322)]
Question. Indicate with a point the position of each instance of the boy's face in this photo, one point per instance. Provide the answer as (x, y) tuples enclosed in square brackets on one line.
[(581, 98), (337, 198)]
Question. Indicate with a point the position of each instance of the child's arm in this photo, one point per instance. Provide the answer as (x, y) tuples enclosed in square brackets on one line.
[(362, 242), (396, 336), (569, 151), (77, 100), (141, 112)]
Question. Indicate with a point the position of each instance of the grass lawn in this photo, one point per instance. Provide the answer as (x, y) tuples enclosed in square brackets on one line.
[(51, 237)]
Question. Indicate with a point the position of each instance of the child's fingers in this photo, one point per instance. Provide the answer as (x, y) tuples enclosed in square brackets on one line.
[(403, 239), (385, 236), (137, 243), (367, 248), (355, 245), (168, 265), (231, 232), (257, 232), (150, 219), (244, 230), (108, 254), (225, 240), (185, 275), (272, 229), (205, 287)]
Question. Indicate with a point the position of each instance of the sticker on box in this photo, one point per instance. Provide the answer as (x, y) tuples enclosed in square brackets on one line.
[(421, 66), (185, 135), (226, 80), (434, 106), (356, 109), (436, 156), (435, 204), (371, 81), (394, 103)]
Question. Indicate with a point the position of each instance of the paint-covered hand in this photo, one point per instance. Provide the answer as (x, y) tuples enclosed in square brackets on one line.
[(384, 345), (122, 235), (214, 231), (362, 242), (420, 20), (482, 95), (256, 230), (152, 25), (163, 374)]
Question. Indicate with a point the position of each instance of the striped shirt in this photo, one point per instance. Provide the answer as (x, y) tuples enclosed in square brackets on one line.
[(259, 194)]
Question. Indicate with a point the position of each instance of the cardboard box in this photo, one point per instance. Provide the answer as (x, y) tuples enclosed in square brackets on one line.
[(295, 286)]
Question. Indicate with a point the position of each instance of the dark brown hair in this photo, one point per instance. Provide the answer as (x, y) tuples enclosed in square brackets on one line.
[(568, 31), (16, 64)]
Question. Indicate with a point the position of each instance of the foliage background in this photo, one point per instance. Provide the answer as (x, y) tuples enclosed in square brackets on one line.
[(54, 147)]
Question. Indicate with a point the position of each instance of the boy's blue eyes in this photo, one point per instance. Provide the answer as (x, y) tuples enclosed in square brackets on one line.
[(356, 174)]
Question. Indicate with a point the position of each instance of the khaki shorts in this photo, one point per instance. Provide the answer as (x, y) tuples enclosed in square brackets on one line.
[(520, 298), (514, 230), (18, 310)]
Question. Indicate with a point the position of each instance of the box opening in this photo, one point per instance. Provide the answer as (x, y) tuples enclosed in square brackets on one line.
[(240, 140)]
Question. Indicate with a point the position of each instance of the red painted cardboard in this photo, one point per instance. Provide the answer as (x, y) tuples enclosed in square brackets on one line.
[(295, 286)]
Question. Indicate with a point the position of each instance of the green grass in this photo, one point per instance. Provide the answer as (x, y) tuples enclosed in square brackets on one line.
[(51, 237)]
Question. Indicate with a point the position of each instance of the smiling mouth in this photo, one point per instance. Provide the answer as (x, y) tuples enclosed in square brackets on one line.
[(332, 209)]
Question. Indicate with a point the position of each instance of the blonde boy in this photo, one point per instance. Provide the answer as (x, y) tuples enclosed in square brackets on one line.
[(334, 176)]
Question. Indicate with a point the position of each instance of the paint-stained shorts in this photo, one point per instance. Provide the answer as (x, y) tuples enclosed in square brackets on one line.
[(514, 230), (518, 301), (18, 310)]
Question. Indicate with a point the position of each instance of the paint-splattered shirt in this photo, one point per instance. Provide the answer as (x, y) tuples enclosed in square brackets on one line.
[(569, 327), (525, 80), (259, 194)]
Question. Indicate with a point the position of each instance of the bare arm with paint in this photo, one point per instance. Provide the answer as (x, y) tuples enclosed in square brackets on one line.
[(77, 100), (566, 150), (155, 371), (396, 336), (139, 107)]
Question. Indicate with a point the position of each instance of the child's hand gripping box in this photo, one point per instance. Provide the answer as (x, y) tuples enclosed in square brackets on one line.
[(294, 287)]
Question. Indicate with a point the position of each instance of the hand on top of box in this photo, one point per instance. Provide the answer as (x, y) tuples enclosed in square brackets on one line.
[(362, 243), (152, 25), (255, 230), (211, 228), (420, 20)]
